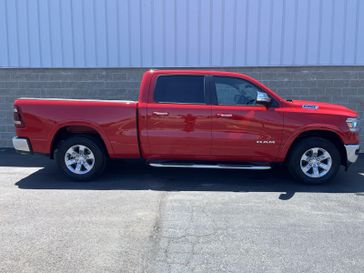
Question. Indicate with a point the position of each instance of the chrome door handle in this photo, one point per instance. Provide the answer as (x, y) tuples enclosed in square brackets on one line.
[(160, 114), (223, 115)]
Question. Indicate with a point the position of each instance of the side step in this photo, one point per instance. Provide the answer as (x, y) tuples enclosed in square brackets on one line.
[(209, 166)]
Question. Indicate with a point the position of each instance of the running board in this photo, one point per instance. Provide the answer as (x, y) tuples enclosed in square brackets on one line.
[(210, 166)]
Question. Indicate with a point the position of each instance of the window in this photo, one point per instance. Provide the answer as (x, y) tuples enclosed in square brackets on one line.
[(235, 91), (180, 89)]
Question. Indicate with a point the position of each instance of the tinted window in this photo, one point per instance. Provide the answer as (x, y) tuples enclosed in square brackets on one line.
[(180, 89), (235, 91)]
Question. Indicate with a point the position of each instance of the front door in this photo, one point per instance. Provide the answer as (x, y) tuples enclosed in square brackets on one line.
[(241, 129), (179, 119)]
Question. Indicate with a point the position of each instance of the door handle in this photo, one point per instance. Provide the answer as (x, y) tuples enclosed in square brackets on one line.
[(223, 115), (160, 114)]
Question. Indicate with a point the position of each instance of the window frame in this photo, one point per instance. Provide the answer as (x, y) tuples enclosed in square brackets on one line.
[(205, 90)]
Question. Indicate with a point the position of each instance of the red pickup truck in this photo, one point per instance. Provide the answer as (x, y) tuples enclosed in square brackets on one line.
[(195, 119)]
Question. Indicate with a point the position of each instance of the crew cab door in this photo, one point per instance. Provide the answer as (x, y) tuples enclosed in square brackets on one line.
[(241, 129), (178, 118)]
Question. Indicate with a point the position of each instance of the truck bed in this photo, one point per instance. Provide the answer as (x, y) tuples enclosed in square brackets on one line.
[(114, 120)]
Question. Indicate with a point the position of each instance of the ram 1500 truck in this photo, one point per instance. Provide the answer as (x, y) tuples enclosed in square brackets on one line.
[(195, 119)]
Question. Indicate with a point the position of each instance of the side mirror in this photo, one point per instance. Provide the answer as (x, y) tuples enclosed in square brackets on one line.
[(263, 98)]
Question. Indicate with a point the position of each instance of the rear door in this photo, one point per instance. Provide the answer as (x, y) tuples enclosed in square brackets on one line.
[(241, 129), (179, 118)]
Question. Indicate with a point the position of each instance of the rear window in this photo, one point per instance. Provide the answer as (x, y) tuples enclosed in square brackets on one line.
[(180, 89)]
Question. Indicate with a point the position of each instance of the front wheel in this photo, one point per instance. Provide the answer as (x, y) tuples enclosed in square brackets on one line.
[(314, 160), (81, 158)]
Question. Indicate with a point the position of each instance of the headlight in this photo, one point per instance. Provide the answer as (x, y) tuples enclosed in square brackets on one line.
[(353, 124)]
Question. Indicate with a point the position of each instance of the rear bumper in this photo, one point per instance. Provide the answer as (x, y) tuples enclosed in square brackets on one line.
[(352, 153), (22, 145)]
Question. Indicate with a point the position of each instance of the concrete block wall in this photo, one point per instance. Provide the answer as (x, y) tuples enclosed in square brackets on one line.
[(343, 85)]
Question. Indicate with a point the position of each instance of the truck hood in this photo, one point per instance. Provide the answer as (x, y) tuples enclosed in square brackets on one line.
[(324, 107)]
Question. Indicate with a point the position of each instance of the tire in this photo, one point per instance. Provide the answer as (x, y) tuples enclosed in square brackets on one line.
[(306, 162), (81, 158)]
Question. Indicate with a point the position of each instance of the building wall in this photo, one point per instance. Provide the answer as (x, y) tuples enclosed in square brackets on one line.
[(183, 33), (343, 85)]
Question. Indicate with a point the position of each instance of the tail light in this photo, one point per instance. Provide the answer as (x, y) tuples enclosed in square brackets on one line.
[(17, 118)]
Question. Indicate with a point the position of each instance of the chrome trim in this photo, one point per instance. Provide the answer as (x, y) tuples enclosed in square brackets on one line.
[(224, 115), (21, 144), (212, 166), (351, 152), (160, 114), (262, 97), (91, 100)]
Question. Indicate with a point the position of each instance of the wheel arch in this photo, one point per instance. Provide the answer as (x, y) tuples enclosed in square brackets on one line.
[(325, 134), (67, 131)]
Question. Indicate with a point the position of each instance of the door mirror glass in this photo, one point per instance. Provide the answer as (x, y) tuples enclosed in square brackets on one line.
[(263, 98)]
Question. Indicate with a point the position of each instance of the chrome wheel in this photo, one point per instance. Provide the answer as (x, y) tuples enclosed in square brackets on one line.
[(316, 162), (79, 159)]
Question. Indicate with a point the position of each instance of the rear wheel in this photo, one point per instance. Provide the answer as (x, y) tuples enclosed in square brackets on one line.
[(81, 157), (314, 160)]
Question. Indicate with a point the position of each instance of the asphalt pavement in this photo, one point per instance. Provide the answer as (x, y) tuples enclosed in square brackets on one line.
[(141, 219)]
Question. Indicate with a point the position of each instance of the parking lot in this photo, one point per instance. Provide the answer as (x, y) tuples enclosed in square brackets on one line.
[(139, 219)]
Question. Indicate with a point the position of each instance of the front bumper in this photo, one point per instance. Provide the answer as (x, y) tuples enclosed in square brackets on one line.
[(352, 153), (22, 145)]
